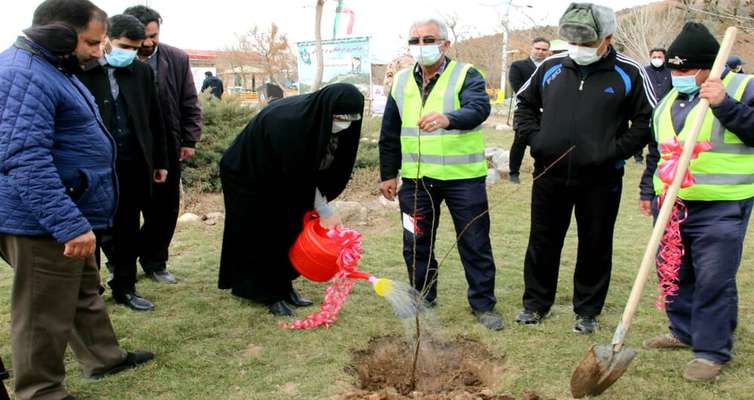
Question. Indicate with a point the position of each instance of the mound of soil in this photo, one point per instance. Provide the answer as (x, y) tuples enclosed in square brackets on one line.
[(446, 370)]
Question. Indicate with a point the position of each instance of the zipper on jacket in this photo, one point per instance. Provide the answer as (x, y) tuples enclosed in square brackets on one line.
[(114, 153), (581, 87)]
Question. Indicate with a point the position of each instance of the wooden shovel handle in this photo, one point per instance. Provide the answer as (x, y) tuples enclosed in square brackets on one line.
[(650, 254)]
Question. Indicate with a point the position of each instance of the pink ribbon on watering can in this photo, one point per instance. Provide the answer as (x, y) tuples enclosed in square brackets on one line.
[(338, 291), (671, 153), (350, 253)]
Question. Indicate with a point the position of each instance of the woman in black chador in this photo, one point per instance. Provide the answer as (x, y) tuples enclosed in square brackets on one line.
[(294, 156)]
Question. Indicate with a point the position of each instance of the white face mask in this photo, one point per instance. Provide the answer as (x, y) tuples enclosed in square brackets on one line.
[(657, 62), (583, 55), (426, 55), (338, 125)]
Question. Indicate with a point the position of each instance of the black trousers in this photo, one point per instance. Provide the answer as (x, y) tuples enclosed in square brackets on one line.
[(121, 243), (160, 218), (518, 148), (596, 207), (466, 200)]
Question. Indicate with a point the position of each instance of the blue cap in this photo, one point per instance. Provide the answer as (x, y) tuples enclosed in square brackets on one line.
[(734, 62)]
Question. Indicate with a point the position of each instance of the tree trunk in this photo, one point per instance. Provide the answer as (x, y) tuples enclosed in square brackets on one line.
[(318, 45)]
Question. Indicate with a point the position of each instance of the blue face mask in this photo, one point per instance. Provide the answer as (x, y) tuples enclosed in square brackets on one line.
[(120, 58), (686, 84)]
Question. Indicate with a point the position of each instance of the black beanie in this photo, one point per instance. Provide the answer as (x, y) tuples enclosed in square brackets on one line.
[(694, 47)]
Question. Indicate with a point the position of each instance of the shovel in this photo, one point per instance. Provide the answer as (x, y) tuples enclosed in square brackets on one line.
[(604, 364)]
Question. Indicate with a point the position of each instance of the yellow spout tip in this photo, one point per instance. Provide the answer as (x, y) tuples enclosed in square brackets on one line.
[(383, 287)]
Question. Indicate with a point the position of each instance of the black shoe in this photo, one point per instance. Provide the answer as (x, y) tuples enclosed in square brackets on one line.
[(513, 178), (162, 276), (69, 397), (430, 304), (297, 301), (490, 319), (528, 317), (280, 309), (585, 324), (133, 360), (133, 301)]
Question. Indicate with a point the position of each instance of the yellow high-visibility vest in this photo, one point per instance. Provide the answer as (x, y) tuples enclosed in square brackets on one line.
[(725, 172), (442, 154)]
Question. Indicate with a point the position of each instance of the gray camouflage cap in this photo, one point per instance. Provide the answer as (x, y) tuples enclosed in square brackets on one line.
[(587, 22)]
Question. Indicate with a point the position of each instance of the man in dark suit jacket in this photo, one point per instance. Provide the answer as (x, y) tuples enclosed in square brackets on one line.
[(183, 125), (520, 72), (126, 96)]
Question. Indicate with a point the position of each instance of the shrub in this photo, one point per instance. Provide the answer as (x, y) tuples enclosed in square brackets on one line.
[(223, 121), (369, 155)]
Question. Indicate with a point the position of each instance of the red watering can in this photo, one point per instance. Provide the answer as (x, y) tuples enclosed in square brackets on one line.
[(316, 255)]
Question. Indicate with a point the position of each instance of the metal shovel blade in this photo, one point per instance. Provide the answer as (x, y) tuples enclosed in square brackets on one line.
[(599, 369)]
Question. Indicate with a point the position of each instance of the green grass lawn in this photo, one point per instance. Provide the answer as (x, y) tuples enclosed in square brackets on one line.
[(210, 345)]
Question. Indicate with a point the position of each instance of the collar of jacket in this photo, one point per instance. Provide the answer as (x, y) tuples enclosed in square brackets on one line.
[(606, 63), (27, 44), (420, 74)]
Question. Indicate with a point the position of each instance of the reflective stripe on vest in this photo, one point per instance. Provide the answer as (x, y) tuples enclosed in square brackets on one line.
[(442, 154), (726, 171)]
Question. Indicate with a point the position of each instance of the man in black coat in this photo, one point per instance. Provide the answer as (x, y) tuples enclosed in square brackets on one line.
[(659, 75), (214, 84), (183, 127), (127, 99), (519, 73), (583, 113)]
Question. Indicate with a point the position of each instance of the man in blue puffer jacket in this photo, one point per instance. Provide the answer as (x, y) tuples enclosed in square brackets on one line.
[(56, 186)]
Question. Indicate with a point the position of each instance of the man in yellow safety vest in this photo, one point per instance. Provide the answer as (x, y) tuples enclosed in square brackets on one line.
[(431, 134), (704, 313)]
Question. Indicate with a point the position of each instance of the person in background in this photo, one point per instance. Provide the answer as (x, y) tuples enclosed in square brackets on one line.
[(703, 315), (269, 92), (183, 126), (295, 155), (582, 113), (431, 135), (126, 96), (659, 75), (735, 64), (57, 185), (214, 84), (520, 72)]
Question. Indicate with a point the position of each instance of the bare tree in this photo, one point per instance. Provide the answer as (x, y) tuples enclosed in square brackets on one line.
[(457, 31), (721, 12), (642, 28), (273, 49), (318, 44), (233, 59)]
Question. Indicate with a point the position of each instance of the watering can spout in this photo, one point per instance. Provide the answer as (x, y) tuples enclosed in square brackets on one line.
[(360, 275)]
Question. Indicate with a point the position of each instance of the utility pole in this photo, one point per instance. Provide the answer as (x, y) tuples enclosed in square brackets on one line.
[(506, 33), (504, 66)]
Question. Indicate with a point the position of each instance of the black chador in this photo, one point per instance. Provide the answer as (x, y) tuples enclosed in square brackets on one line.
[(269, 177)]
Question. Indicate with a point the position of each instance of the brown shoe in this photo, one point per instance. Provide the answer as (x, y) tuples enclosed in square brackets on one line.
[(701, 370), (665, 341)]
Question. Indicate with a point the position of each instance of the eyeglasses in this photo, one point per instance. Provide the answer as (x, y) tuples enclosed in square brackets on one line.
[(424, 40)]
